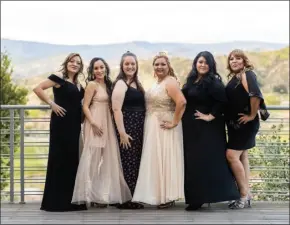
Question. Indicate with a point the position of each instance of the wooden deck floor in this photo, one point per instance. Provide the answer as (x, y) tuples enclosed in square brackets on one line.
[(260, 213)]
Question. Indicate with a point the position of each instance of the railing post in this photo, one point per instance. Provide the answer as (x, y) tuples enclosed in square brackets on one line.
[(22, 156), (11, 146)]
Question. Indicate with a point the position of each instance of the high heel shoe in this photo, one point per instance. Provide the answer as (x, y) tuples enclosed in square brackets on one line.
[(241, 203), (193, 207), (231, 202), (166, 205)]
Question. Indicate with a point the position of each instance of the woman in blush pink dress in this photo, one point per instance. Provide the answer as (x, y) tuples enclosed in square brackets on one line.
[(99, 178)]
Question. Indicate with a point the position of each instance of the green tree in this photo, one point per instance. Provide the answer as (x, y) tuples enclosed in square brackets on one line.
[(274, 158), (11, 94)]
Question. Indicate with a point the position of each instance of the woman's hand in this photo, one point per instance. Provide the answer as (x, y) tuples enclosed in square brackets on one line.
[(167, 125), (58, 110), (96, 129), (245, 118), (124, 140), (205, 117)]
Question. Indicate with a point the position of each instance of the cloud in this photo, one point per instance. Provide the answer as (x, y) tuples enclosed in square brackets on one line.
[(91, 22)]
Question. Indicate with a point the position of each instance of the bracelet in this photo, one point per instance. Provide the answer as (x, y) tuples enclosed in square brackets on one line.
[(50, 102)]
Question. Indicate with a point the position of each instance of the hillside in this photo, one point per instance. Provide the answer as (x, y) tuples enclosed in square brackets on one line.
[(33, 58), (272, 68)]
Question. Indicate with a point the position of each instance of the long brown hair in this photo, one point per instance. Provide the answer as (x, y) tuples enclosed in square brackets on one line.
[(239, 53), (164, 56), (64, 67), (122, 75), (107, 78)]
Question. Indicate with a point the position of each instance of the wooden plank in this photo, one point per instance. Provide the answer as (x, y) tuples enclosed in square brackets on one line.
[(260, 213)]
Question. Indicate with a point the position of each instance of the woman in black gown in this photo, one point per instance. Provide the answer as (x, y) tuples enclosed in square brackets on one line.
[(128, 104), (208, 177), (65, 126), (244, 101)]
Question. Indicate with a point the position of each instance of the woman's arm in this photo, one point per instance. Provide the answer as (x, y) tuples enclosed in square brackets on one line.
[(118, 97), (90, 91), (48, 83), (39, 90), (251, 86), (175, 93)]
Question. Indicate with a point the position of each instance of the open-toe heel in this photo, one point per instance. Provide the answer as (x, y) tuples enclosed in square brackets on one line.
[(166, 205), (241, 203)]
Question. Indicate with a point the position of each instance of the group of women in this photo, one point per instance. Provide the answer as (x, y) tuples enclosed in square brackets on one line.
[(150, 147)]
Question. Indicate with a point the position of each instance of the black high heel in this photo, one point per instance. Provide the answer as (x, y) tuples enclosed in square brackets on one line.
[(193, 207), (130, 205)]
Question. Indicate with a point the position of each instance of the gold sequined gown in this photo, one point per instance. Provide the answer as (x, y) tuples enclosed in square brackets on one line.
[(161, 173)]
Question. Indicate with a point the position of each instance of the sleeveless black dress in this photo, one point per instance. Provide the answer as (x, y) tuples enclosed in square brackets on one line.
[(63, 155), (133, 110), (242, 136)]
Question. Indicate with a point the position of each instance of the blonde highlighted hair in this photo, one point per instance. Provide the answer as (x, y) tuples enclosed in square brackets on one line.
[(64, 67), (164, 55), (241, 54)]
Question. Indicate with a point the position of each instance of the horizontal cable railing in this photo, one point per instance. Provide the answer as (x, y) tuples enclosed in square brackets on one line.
[(25, 144)]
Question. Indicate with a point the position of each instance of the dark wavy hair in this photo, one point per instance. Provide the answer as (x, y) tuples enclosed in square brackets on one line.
[(122, 75), (207, 78), (64, 70), (107, 79)]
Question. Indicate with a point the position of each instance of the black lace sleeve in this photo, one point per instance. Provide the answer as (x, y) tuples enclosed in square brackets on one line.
[(254, 91), (218, 94), (56, 79)]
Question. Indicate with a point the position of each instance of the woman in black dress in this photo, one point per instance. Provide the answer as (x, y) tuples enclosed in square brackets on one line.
[(208, 177), (128, 104), (244, 100), (65, 126)]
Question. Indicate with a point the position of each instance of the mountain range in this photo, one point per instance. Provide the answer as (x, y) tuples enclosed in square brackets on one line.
[(34, 58)]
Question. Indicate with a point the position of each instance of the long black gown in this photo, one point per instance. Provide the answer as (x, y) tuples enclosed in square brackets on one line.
[(63, 155), (242, 136), (208, 177)]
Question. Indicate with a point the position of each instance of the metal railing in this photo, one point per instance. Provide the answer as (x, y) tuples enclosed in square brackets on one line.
[(22, 144)]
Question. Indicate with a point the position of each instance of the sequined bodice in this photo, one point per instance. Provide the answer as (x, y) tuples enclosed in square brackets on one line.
[(101, 96), (157, 99)]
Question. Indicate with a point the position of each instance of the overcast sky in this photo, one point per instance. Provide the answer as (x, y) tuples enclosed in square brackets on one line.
[(115, 22)]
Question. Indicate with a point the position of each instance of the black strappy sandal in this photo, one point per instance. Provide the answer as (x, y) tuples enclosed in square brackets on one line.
[(130, 205)]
